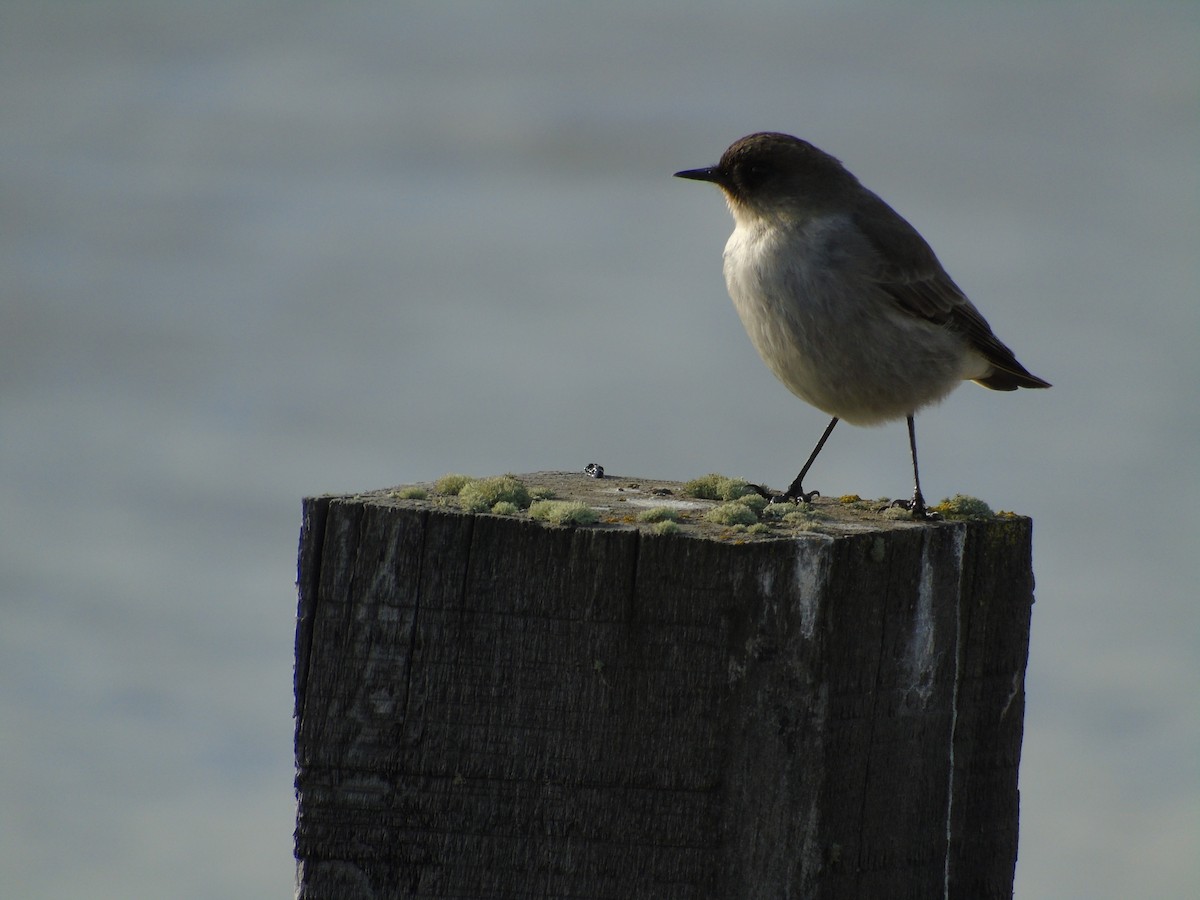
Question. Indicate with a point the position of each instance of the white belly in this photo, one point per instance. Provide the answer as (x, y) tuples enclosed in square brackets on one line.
[(835, 339)]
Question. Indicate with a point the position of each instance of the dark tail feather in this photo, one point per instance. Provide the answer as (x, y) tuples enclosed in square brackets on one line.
[(1007, 374), (1007, 380)]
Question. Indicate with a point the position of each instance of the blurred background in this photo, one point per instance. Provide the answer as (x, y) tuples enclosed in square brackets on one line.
[(254, 252)]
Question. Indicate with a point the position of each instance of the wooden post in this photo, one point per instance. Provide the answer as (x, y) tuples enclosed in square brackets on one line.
[(489, 706)]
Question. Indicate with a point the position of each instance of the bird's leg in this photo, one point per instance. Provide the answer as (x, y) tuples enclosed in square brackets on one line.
[(917, 503), (796, 493)]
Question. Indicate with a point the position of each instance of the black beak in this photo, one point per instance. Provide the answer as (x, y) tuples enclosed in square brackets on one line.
[(712, 173)]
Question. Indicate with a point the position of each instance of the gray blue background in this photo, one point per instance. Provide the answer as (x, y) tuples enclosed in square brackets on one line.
[(252, 252)]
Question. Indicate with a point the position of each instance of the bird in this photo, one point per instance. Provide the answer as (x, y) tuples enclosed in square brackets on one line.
[(844, 300)]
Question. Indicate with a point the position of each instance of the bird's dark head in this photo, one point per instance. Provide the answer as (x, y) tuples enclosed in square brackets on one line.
[(768, 171)]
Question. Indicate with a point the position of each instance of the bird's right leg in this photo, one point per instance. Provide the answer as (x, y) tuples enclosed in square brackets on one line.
[(796, 493)]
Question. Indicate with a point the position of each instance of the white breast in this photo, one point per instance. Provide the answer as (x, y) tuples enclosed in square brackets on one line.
[(831, 335)]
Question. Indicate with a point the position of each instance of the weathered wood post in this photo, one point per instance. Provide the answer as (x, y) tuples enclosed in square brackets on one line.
[(489, 706)]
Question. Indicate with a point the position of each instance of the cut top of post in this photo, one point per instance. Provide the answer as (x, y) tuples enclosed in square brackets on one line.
[(713, 506)]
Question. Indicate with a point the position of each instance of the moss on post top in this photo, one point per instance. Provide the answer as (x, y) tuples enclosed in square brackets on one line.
[(712, 506)]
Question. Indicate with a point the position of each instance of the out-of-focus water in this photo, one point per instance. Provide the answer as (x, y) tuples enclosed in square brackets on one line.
[(256, 252)]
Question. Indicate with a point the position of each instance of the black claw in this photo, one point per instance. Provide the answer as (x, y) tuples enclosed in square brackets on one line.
[(775, 497), (917, 507), (767, 494)]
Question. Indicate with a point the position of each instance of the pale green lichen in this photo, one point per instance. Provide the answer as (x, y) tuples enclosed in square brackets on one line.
[(800, 514), (410, 493), (717, 487), (562, 512), (756, 502), (854, 501), (451, 484), (484, 493), (659, 514), (818, 528), (960, 506), (731, 514)]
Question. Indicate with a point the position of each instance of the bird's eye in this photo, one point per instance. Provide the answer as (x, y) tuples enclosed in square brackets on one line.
[(753, 174)]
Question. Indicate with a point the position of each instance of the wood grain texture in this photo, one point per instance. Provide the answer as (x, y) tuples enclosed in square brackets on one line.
[(490, 707)]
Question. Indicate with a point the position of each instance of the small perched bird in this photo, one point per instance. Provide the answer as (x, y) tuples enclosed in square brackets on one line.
[(845, 302)]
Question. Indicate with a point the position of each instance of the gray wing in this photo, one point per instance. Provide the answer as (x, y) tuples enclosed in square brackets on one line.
[(909, 272)]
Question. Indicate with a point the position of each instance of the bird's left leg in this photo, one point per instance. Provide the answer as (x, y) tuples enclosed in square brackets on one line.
[(917, 504)]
